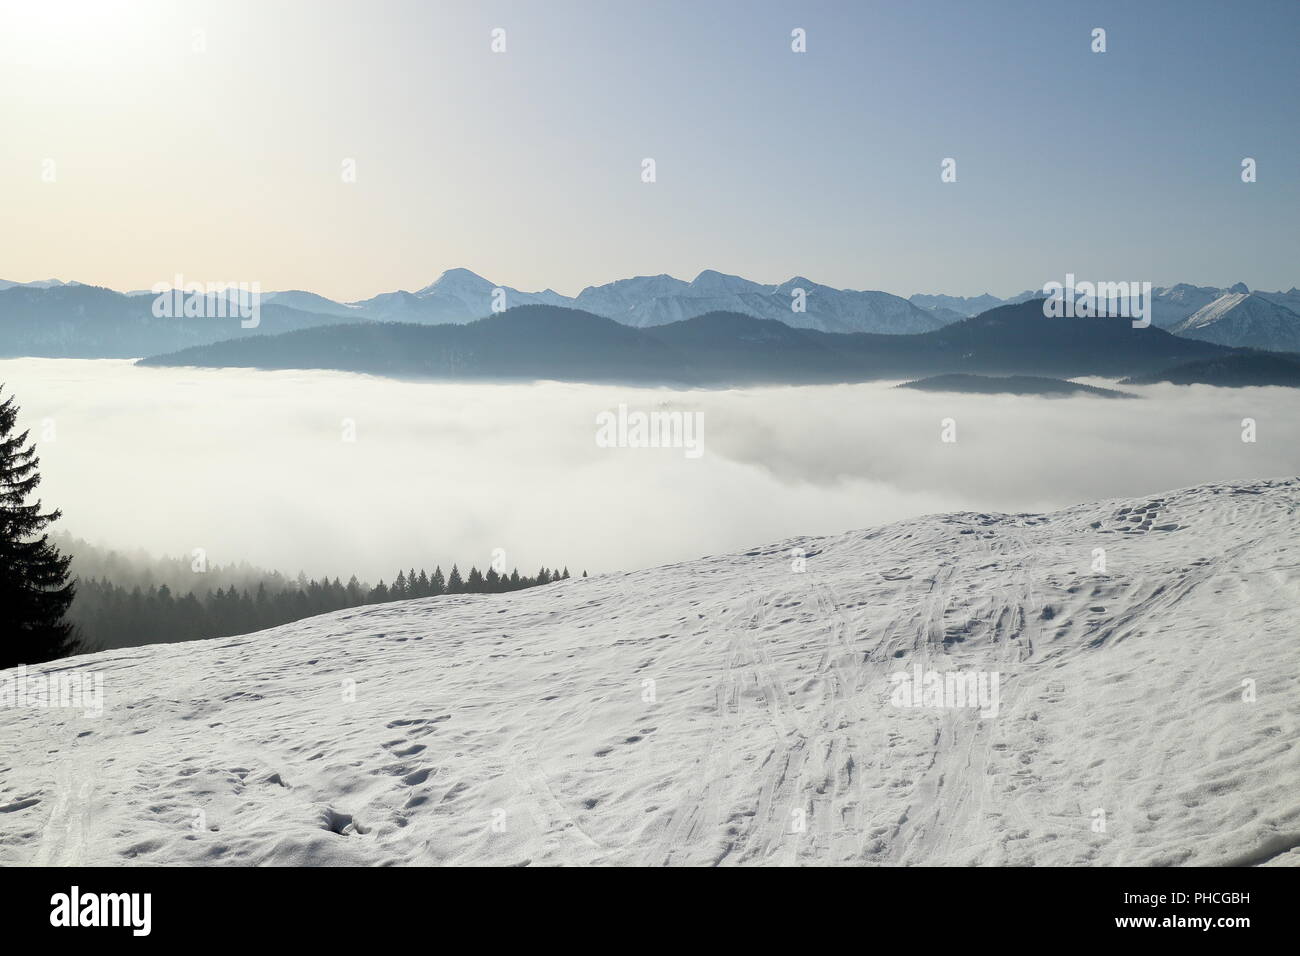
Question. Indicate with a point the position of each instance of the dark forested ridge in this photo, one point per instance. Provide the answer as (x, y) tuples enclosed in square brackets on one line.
[(529, 342), (126, 602), (1237, 370), (719, 349), (1010, 385)]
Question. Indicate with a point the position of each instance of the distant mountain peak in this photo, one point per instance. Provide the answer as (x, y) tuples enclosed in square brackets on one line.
[(457, 280), (460, 274)]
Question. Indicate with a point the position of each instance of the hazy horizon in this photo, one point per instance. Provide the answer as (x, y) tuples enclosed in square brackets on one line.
[(684, 277)]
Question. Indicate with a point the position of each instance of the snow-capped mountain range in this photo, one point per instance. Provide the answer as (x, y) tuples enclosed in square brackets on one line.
[(459, 295), (1245, 319), (1233, 315), (798, 302), (731, 710)]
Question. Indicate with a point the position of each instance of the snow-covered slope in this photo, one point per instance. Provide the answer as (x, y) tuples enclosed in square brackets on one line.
[(1290, 299), (310, 302), (657, 300), (728, 710), (848, 310), (475, 292), (1244, 319), (623, 295), (457, 296), (1170, 305), (1173, 304), (963, 306)]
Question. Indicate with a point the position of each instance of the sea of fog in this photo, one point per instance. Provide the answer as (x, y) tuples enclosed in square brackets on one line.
[(335, 473)]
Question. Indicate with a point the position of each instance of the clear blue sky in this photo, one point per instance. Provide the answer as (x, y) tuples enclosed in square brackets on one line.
[(525, 166)]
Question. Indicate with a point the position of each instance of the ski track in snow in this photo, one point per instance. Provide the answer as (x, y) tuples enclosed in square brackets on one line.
[(513, 730)]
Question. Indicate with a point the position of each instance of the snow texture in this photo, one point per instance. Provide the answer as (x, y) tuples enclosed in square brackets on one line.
[(516, 729)]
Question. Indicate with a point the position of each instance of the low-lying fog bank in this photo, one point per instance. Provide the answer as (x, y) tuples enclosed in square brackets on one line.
[(335, 473)]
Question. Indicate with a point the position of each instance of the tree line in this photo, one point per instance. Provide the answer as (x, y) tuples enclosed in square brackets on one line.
[(107, 614)]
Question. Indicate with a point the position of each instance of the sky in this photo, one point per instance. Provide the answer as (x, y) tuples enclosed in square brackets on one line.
[(146, 139)]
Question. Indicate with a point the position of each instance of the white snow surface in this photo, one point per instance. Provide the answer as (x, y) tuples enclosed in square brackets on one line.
[(513, 729), (1244, 319)]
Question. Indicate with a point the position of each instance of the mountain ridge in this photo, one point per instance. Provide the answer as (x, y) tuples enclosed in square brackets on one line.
[(718, 349), (51, 318)]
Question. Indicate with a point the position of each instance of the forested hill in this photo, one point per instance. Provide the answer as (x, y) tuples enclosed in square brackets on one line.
[(720, 349), (129, 599)]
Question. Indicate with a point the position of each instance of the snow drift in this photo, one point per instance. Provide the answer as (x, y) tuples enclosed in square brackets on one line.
[(729, 710)]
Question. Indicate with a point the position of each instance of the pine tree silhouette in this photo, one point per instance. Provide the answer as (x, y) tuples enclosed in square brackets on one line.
[(34, 588)]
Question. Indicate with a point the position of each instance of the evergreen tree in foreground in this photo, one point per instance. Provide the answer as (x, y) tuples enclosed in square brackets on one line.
[(34, 587)]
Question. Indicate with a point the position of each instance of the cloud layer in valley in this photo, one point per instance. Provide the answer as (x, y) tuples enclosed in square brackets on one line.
[(257, 466)]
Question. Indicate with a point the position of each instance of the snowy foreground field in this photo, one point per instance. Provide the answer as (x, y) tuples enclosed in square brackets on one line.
[(728, 710)]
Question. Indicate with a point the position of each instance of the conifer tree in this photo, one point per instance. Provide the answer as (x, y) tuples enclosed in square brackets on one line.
[(355, 594), (34, 588)]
